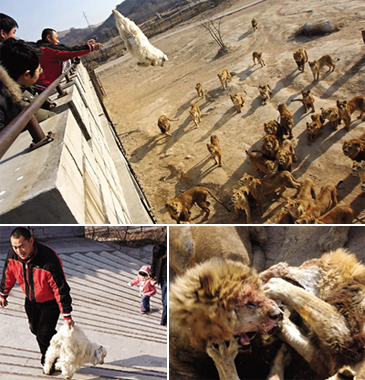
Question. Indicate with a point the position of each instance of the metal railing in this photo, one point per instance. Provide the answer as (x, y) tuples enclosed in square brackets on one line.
[(26, 118)]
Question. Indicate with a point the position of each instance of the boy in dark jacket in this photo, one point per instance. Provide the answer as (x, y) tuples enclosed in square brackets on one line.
[(19, 71)]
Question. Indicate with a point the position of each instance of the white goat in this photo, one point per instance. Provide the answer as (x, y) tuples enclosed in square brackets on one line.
[(137, 43)]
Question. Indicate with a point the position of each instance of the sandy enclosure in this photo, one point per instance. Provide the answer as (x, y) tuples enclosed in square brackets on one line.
[(167, 166)]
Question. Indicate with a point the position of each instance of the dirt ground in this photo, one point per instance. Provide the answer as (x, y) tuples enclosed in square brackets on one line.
[(168, 166)]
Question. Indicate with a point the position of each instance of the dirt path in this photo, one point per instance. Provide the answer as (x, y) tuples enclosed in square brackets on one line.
[(166, 167)]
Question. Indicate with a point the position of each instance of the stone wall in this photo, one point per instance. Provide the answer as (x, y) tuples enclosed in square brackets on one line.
[(82, 177)]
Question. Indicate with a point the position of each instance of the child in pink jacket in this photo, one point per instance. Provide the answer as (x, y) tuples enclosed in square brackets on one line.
[(146, 287)]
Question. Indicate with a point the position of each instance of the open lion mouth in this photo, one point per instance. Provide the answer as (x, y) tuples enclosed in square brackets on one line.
[(244, 340)]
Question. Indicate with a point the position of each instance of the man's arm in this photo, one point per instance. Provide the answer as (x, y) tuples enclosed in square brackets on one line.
[(7, 281)]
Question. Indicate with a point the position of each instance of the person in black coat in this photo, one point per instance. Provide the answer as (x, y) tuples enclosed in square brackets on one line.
[(159, 274)]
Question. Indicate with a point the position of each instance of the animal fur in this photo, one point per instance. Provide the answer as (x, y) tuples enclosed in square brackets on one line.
[(137, 43), (195, 114), (276, 182), (286, 119), (179, 207), (225, 77), (262, 165), (258, 56), (215, 150), (209, 305), (315, 127), (241, 202), (72, 349), (358, 170), (355, 148), (330, 299)]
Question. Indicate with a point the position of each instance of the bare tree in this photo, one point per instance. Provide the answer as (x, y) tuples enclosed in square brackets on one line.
[(213, 26)]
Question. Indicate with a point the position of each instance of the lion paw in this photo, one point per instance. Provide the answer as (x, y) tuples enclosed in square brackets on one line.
[(219, 351)]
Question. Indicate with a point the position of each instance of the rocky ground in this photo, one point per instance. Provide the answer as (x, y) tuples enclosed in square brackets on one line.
[(167, 166)]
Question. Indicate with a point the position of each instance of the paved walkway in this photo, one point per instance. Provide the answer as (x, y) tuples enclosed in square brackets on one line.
[(104, 307)]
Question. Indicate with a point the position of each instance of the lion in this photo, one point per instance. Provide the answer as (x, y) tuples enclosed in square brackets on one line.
[(285, 156), (195, 114), (179, 207), (254, 24), (190, 245), (199, 89), (328, 293), (332, 115), (269, 147), (265, 92), (326, 199), (300, 57), (215, 302), (258, 56), (225, 77), (295, 208), (241, 202), (238, 102), (274, 128), (325, 60), (215, 150), (164, 125), (286, 119), (261, 165), (358, 170), (276, 182), (340, 214), (355, 148), (346, 109), (315, 127), (308, 100)]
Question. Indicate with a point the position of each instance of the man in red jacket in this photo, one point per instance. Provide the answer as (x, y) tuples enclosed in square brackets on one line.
[(39, 272), (54, 54)]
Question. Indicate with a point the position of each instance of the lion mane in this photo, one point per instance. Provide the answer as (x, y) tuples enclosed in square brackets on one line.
[(206, 296)]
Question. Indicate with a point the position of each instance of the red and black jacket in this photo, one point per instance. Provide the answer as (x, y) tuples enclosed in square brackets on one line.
[(41, 277), (52, 57)]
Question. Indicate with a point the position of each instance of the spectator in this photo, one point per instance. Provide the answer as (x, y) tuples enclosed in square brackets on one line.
[(19, 70), (159, 273), (54, 54), (39, 272), (7, 27), (146, 287)]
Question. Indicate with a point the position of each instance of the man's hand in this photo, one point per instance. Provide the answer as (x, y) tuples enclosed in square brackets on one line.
[(70, 323), (3, 302), (97, 46)]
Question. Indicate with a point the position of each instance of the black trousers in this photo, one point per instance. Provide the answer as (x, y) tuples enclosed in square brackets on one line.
[(42, 319)]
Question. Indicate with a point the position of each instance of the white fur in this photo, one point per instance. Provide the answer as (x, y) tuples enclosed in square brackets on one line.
[(72, 349), (137, 43)]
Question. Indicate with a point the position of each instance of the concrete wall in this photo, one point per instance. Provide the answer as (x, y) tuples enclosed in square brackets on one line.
[(81, 177)]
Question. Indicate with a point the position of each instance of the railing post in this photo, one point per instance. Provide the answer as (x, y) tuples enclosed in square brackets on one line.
[(39, 138)]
